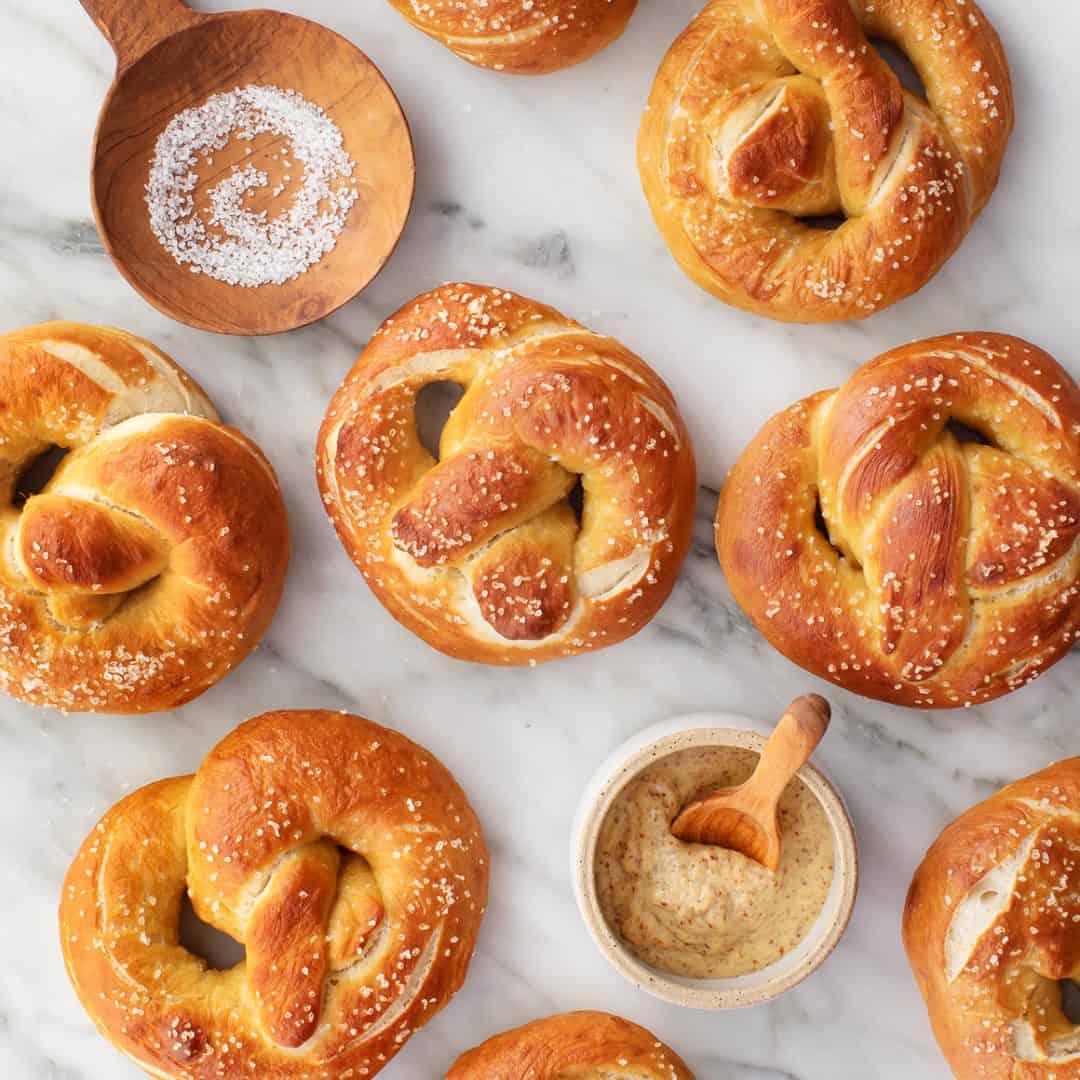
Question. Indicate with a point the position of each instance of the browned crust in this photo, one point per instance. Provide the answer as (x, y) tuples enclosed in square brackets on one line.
[(1012, 970), (730, 153), (560, 1045), (479, 553), (521, 39), (72, 545), (154, 560), (909, 606), (256, 838)]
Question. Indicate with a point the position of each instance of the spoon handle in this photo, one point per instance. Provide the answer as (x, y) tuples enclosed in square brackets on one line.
[(794, 739), (134, 27)]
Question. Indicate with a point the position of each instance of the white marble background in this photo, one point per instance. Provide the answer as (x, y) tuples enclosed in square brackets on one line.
[(530, 184)]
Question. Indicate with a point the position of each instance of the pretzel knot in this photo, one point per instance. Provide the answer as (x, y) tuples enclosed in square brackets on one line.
[(992, 930), (344, 857), (481, 552), (945, 567), (153, 559), (768, 112)]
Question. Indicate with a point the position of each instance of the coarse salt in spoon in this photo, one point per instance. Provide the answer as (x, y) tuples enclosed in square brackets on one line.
[(746, 818), (171, 59)]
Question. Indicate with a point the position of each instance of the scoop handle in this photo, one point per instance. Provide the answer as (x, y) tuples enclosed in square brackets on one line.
[(134, 27), (794, 739)]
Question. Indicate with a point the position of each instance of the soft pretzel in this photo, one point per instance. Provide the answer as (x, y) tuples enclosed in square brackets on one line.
[(153, 559), (344, 857), (953, 572), (580, 1045), (992, 927), (522, 38), (481, 553), (768, 112)]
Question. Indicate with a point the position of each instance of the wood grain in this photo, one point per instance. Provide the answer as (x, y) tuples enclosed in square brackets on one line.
[(133, 29), (746, 818), (170, 58)]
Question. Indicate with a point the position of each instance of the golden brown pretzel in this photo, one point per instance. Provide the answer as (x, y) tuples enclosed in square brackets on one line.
[(153, 560), (992, 927), (345, 858), (522, 38), (573, 1046), (480, 553), (765, 112), (953, 575)]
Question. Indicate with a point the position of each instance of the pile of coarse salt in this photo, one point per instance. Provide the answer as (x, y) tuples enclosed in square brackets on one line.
[(236, 244)]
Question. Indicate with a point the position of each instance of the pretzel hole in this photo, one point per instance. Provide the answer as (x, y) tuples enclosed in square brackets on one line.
[(964, 434), (576, 498), (822, 525), (218, 950), (827, 222), (33, 479), (1070, 1000), (902, 67), (434, 404)]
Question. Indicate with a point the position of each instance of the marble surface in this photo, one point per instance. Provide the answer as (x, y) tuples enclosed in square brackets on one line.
[(530, 185)]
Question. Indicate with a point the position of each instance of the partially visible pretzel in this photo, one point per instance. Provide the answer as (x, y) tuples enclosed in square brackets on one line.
[(344, 857), (942, 571), (581, 1044), (766, 112), (992, 929), (152, 561), (480, 553), (521, 37)]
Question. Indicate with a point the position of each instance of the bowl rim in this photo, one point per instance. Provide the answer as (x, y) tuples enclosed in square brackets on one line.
[(629, 760)]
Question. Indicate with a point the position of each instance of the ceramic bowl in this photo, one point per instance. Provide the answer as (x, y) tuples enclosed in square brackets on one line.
[(709, 730)]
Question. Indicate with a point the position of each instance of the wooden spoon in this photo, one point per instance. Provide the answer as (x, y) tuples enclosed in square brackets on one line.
[(170, 58), (745, 818)]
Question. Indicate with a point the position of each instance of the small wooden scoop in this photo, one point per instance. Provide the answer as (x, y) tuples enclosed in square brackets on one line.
[(745, 818), (169, 58)]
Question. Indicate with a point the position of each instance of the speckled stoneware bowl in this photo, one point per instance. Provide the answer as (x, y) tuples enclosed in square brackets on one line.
[(668, 737)]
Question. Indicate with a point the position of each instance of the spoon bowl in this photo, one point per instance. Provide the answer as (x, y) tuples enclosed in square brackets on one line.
[(171, 58), (747, 818)]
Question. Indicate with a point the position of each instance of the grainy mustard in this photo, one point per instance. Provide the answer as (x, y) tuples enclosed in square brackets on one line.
[(695, 909)]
